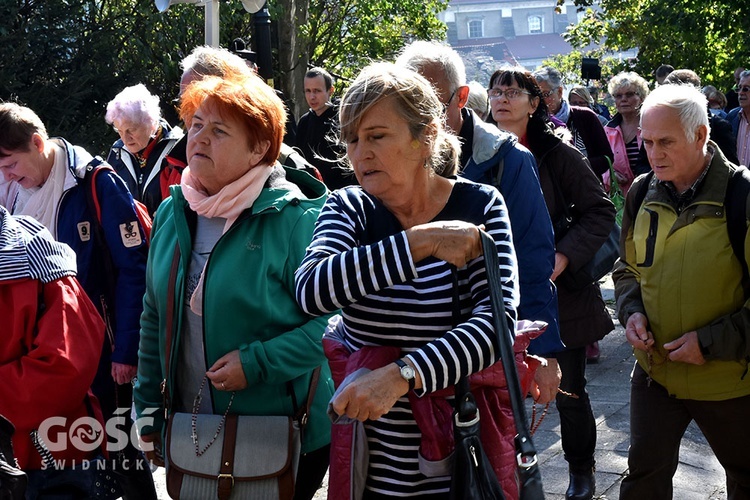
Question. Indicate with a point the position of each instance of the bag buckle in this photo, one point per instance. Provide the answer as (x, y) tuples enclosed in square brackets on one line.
[(225, 490), (526, 461), (461, 423)]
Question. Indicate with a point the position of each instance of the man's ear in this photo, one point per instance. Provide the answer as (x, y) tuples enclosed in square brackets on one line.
[(701, 135), (462, 94)]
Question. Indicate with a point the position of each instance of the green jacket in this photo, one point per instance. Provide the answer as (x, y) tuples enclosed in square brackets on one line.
[(248, 305), (680, 271)]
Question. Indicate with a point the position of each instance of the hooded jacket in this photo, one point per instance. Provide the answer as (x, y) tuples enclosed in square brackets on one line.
[(52, 337), (248, 305), (498, 160)]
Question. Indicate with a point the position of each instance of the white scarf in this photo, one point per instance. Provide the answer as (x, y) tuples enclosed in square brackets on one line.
[(41, 202)]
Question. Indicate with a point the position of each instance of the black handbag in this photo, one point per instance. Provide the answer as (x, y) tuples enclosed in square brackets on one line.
[(12, 479), (473, 476), (529, 477), (603, 260)]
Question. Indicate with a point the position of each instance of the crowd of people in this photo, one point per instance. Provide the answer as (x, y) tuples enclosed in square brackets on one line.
[(327, 250)]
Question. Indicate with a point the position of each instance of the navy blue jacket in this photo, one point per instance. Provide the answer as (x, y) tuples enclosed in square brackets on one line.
[(74, 225), (533, 237)]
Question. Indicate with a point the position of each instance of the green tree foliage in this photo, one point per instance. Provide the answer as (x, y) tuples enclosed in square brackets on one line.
[(707, 36), (66, 59)]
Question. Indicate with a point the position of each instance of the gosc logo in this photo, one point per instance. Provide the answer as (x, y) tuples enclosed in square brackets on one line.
[(87, 434)]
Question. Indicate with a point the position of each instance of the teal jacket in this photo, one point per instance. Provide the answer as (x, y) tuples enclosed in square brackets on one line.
[(248, 305)]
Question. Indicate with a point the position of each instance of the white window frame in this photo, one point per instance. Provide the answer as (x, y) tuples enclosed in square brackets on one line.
[(536, 24), (474, 22)]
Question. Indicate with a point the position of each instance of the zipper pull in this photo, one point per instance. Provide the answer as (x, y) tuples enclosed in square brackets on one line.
[(473, 452)]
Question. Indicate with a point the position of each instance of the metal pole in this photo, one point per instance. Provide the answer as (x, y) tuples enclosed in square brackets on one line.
[(212, 22), (262, 23)]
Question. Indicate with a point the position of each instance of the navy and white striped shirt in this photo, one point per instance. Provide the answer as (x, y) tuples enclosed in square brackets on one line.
[(359, 261)]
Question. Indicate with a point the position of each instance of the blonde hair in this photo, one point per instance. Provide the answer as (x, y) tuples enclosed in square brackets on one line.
[(414, 99)]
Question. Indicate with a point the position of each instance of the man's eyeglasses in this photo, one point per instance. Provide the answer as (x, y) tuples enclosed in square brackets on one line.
[(448, 102), (547, 94), (509, 93), (744, 88), (626, 95)]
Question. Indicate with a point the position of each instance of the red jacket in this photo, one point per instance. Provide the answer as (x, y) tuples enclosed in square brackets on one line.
[(49, 351), (433, 412)]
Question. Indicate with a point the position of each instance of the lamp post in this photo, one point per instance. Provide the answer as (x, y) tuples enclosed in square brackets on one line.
[(262, 38), (211, 16)]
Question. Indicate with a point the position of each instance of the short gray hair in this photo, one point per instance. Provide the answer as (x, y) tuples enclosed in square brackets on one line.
[(135, 104), (414, 99), (421, 54), (213, 61), (687, 100), (548, 75)]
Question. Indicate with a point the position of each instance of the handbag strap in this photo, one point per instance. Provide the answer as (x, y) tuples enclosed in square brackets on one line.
[(526, 455), (170, 324), (301, 414), (466, 408), (226, 471)]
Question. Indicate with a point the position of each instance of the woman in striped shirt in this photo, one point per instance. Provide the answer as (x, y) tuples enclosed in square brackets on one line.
[(382, 254)]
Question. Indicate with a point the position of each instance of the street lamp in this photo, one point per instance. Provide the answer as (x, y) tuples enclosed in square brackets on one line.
[(211, 16)]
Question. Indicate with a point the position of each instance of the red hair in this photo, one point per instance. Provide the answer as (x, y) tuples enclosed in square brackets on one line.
[(246, 98)]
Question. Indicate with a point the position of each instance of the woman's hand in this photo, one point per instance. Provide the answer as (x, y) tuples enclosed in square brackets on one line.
[(546, 382), (373, 395), (455, 242), (561, 262), (227, 373), (123, 374)]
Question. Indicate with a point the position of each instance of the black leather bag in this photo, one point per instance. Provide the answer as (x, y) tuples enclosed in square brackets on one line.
[(602, 263), (12, 479), (529, 477), (473, 476)]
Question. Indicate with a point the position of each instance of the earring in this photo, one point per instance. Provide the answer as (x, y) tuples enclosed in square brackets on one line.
[(415, 144)]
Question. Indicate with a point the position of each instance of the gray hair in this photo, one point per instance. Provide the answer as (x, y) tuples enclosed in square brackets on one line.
[(548, 75), (135, 104), (213, 61), (629, 79), (414, 99), (419, 55), (583, 93), (745, 74), (687, 100), (478, 99)]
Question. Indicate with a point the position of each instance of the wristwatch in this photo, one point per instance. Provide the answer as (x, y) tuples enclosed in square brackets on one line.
[(407, 373)]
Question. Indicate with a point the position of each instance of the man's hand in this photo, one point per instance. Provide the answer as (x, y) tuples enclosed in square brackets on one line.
[(154, 452), (637, 334), (123, 374), (686, 349), (546, 382)]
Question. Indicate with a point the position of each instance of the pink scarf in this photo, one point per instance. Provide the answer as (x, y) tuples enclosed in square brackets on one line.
[(228, 204)]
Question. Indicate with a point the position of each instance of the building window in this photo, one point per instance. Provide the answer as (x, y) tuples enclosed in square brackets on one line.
[(476, 28), (536, 24)]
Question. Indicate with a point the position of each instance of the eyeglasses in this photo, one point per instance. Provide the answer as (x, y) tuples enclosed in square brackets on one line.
[(448, 102), (547, 94), (744, 88), (626, 95), (509, 93)]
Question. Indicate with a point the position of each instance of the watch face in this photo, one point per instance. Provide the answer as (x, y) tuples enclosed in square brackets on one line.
[(407, 372)]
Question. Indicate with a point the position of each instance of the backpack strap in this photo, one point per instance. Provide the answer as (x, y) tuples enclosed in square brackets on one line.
[(640, 194), (738, 213)]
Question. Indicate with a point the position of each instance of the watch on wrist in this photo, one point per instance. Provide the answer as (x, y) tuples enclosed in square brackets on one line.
[(407, 373)]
